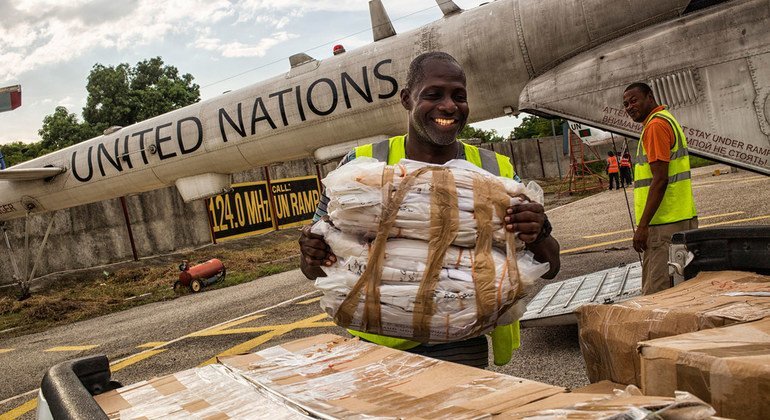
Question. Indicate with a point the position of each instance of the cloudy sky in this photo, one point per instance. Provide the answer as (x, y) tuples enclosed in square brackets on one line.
[(49, 46)]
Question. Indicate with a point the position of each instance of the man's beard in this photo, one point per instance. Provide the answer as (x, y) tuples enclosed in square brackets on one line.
[(433, 136)]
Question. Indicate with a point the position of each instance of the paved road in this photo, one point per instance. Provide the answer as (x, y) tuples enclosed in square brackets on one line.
[(165, 337)]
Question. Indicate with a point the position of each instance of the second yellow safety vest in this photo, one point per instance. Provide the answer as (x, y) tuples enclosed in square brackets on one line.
[(678, 203), (505, 338)]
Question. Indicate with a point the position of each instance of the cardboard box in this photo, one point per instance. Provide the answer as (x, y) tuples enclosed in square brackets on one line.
[(627, 404), (330, 377), (327, 376), (728, 367), (609, 333), (343, 378)]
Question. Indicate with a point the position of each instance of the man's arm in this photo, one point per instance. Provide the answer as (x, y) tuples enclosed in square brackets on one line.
[(529, 220), (659, 170)]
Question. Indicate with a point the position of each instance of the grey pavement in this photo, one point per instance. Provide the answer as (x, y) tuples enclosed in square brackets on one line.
[(548, 354)]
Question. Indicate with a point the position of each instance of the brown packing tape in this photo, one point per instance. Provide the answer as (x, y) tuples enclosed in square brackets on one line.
[(241, 361), (483, 268), (502, 201), (112, 402), (369, 280), (196, 405), (426, 382), (444, 223), (167, 385), (387, 184)]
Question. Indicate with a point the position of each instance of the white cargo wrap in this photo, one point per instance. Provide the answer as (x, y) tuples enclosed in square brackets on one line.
[(414, 246)]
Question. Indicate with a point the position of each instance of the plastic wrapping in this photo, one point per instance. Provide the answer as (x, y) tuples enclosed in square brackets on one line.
[(609, 334), (330, 377), (356, 196), (212, 391), (454, 297), (626, 404), (415, 255)]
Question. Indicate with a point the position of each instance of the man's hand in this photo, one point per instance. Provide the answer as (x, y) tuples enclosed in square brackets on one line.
[(640, 238), (527, 219), (315, 251)]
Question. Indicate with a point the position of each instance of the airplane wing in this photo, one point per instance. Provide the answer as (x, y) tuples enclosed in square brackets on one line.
[(712, 69), (30, 174)]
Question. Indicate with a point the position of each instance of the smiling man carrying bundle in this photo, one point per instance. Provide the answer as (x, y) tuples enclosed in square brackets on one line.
[(435, 97)]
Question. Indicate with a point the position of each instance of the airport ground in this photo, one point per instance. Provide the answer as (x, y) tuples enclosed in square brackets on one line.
[(165, 337)]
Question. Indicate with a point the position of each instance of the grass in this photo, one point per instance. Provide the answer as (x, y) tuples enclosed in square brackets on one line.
[(75, 296)]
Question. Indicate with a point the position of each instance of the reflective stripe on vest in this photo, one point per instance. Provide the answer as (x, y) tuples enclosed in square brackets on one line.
[(505, 338), (677, 203), (625, 163), (394, 149)]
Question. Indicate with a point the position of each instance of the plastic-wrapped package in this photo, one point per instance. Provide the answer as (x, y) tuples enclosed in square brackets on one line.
[(358, 189), (413, 280)]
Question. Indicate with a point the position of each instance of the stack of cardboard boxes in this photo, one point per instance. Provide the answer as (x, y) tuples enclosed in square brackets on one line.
[(327, 376), (706, 336)]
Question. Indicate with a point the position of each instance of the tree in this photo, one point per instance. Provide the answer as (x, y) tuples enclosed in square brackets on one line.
[(120, 95), (486, 136), (534, 127), (18, 152), (62, 129), (123, 95)]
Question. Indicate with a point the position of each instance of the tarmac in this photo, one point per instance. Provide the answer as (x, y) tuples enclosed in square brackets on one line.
[(165, 337)]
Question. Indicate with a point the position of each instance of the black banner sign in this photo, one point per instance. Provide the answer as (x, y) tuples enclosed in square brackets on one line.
[(242, 212), (295, 200)]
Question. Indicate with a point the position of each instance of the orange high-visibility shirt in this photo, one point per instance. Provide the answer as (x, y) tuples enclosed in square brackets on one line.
[(658, 138), (612, 162)]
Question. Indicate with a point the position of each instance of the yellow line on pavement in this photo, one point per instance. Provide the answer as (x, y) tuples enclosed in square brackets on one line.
[(5, 350), (152, 344), (599, 235), (276, 331), (737, 181), (222, 329), (730, 222), (20, 410), (309, 301), (72, 348), (248, 330), (135, 359), (601, 244)]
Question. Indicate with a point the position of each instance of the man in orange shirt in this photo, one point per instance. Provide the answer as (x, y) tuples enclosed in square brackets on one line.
[(612, 170), (663, 200)]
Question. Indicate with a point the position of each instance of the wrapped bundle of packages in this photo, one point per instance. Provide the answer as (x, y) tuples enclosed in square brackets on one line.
[(422, 252)]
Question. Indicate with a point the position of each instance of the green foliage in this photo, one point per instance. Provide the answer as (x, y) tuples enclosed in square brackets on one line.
[(123, 95), (120, 95), (62, 129), (536, 127), (486, 136), (18, 152)]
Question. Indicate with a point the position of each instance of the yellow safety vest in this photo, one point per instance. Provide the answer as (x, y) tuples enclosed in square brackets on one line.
[(505, 338), (678, 203)]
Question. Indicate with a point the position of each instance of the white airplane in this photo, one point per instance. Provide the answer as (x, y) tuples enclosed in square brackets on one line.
[(709, 60), (572, 59)]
